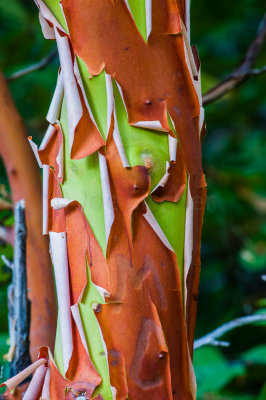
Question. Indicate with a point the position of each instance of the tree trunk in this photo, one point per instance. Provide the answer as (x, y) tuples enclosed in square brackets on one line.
[(25, 182), (125, 196)]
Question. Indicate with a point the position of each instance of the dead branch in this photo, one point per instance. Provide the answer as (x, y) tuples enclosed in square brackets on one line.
[(243, 72), (211, 338), (34, 67), (18, 304)]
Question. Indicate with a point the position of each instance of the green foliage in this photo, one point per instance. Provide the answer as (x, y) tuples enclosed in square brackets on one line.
[(256, 355), (213, 371), (233, 245), (4, 373)]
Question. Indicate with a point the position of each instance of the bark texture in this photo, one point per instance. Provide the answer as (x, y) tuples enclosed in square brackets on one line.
[(124, 196)]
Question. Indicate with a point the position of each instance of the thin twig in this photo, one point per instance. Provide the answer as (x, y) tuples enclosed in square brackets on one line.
[(257, 71), (211, 338), (7, 262), (243, 72), (34, 67)]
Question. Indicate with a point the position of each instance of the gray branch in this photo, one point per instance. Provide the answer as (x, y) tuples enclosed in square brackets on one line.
[(243, 72), (34, 67), (211, 338), (18, 304)]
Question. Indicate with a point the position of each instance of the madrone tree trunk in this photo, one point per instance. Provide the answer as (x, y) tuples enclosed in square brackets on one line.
[(25, 183), (124, 196)]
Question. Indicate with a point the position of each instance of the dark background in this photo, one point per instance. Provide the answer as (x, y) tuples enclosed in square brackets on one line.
[(234, 151)]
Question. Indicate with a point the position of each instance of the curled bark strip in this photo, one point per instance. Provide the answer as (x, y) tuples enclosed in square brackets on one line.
[(188, 242), (48, 15), (79, 237), (155, 226), (173, 184), (84, 136), (107, 196), (58, 248), (50, 156), (12, 383), (35, 387), (56, 103), (46, 386)]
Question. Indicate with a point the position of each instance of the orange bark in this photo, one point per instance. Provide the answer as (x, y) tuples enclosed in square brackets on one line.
[(154, 77), (143, 328)]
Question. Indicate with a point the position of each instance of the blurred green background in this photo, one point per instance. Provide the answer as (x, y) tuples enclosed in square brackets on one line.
[(234, 151)]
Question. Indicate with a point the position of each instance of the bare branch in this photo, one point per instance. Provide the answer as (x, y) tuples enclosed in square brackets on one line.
[(243, 72), (18, 303), (34, 67), (211, 338)]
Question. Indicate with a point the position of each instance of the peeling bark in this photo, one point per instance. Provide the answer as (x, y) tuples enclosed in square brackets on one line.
[(131, 121)]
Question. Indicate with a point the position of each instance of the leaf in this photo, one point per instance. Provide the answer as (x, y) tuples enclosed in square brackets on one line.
[(256, 355), (253, 256), (13, 10), (262, 395), (213, 371), (4, 365)]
